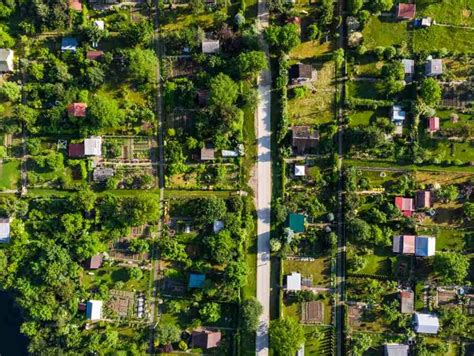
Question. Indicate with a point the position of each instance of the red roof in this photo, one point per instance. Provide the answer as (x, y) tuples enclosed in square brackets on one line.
[(405, 205), (408, 244), (206, 339), (92, 55), (433, 124), (75, 5), (406, 11), (76, 150), (77, 109), (94, 262)]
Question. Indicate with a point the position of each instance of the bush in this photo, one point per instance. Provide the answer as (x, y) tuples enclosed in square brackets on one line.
[(300, 92)]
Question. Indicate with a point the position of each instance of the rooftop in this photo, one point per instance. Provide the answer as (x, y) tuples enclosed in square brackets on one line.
[(210, 46), (5, 230), (426, 323), (206, 339), (196, 280), (68, 44), (93, 146), (293, 281), (77, 109), (94, 310), (406, 11), (296, 222), (76, 150)]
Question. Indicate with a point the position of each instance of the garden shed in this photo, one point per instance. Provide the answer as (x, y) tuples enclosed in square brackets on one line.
[(5, 230), (395, 350), (94, 310), (296, 222), (206, 339), (6, 60), (196, 280), (426, 323), (293, 282), (423, 199), (434, 67)]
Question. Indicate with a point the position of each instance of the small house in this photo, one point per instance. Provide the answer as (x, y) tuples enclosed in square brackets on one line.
[(405, 11), (217, 226), (426, 22), (425, 246), (206, 339), (100, 24), (409, 69), (94, 262), (6, 60), (69, 44), (93, 146), (5, 230), (293, 282), (76, 150), (94, 55), (407, 302), (423, 199), (304, 138), (426, 323), (433, 124), (404, 244), (395, 350), (208, 154), (75, 5), (296, 222), (94, 310), (210, 46), (77, 109), (434, 67), (398, 115), (300, 73), (196, 280), (300, 170), (102, 174), (405, 205)]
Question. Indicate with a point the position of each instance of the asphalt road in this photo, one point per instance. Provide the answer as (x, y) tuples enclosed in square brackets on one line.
[(264, 193)]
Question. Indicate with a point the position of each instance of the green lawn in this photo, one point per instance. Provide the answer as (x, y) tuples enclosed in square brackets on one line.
[(454, 12), (318, 269), (447, 150), (436, 38), (445, 119), (384, 33), (9, 174), (362, 89), (110, 275), (361, 118), (446, 239)]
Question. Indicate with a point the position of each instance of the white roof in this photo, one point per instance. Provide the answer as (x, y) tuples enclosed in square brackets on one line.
[(94, 310), (6, 60), (217, 226), (93, 146), (229, 153), (408, 65), (99, 24), (293, 281), (398, 114), (300, 351), (210, 46), (426, 323), (4, 230), (300, 171), (396, 350)]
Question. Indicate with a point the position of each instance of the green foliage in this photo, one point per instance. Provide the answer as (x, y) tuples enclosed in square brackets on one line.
[(327, 12), (167, 333), (430, 91), (283, 38), (250, 64), (355, 6), (103, 112), (206, 210), (223, 92), (139, 33), (469, 210), (251, 311), (448, 193), (175, 157), (210, 312), (142, 64), (313, 32), (451, 267), (286, 336), (360, 343), (10, 91), (220, 247), (135, 273), (382, 5), (454, 322), (338, 57)]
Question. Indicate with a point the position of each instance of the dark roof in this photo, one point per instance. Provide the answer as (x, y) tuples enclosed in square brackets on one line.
[(76, 150), (423, 199), (203, 97), (206, 339), (94, 262), (407, 300), (301, 70), (304, 138)]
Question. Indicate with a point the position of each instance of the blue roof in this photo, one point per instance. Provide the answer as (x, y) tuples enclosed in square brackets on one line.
[(424, 246), (68, 44), (296, 222), (196, 280)]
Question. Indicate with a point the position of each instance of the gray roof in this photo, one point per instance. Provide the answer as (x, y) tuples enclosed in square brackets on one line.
[(395, 350), (210, 46), (408, 65), (434, 67)]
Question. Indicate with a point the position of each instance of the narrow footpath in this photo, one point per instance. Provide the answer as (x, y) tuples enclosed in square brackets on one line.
[(264, 191)]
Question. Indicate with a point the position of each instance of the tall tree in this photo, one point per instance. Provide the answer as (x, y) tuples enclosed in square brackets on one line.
[(286, 336)]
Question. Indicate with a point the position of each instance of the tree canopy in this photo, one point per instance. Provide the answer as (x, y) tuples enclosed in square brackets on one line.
[(286, 336)]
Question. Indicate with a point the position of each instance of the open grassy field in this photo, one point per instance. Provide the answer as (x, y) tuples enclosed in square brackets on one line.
[(453, 12), (318, 269), (435, 38), (311, 49), (369, 68), (9, 174), (364, 90), (317, 105), (384, 32), (445, 119), (447, 150)]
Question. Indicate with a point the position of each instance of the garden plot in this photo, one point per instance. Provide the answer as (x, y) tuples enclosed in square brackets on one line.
[(209, 177), (453, 12), (9, 174), (458, 96), (384, 31), (436, 38), (120, 250), (130, 149), (315, 104)]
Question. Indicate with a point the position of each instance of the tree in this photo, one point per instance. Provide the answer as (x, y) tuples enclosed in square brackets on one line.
[(284, 38), (10, 91), (175, 157), (135, 273), (359, 231), (360, 343), (338, 57), (104, 112), (469, 210), (327, 12), (313, 32), (452, 267), (448, 193), (251, 311), (454, 322), (236, 274), (167, 333), (208, 209), (142, 65), (95, 76), (430, 91), (250, 64), (355, 6), (210, 312), (382, 5), (139, 33), (223, 91), (138, 245), (286, 336), (220, 247), (196, 6), (140, 210)]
